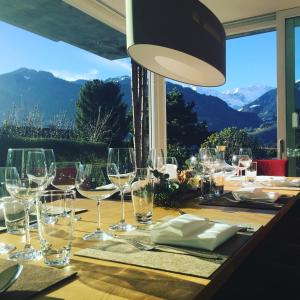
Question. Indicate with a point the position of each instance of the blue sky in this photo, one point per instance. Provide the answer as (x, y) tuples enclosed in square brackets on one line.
[(250, 60)]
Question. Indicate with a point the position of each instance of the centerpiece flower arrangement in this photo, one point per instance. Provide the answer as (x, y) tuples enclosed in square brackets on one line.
[(173, 193)]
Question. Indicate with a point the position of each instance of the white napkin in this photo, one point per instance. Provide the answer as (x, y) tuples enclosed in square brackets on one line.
[(253, 193), (192, 231), (285, 182)]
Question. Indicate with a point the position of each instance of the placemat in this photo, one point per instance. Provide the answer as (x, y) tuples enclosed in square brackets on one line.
[(32, 280), (228, 200), (120, 251)]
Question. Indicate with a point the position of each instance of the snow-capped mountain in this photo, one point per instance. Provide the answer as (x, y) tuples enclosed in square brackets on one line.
[(238, 97)]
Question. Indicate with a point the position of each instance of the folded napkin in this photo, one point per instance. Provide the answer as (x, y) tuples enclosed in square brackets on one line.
[(192, 231), (252, 193), (285, 182)]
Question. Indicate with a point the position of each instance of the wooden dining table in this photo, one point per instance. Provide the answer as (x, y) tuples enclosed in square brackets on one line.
[(99, 279)]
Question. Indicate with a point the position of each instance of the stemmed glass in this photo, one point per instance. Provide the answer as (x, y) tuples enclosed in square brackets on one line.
[(121, 168), (4, 195), (25, 180), (245, 158), (51, 166), (152, 157), (65, 178), (246, 151), (92, 182), (167, 165)]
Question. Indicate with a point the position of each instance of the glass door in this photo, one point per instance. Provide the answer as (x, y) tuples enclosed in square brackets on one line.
[(293, 94)]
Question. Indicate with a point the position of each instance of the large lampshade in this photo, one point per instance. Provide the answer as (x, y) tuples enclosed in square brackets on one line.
[(182, 40)]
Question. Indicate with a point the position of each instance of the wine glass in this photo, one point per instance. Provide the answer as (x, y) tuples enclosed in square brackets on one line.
[(25, 182), (65, 177), (92, 182), (246, 151), (51, 166), (121, 168), (167, 165), (4, 195), (208, 157), (152, 157)]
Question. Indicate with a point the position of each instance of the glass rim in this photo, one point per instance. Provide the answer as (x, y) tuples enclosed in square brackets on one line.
[(22, 149)]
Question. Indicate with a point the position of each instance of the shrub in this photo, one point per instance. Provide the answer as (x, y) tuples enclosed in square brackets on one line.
[(65, 150), (233, 139)]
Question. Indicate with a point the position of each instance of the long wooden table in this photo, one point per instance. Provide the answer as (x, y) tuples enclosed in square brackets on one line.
[(98, 279)]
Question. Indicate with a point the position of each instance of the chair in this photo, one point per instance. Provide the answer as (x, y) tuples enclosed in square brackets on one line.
[(272, 167)]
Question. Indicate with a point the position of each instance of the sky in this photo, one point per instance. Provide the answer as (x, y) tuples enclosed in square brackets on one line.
[(250, 60)]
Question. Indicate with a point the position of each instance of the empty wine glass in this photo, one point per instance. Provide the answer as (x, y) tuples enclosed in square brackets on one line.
[(152, 157), (121, 168), (65, 177), (51, 166), (246, 151), (4, 196), (167, 165), (25, 180), (92, 182)]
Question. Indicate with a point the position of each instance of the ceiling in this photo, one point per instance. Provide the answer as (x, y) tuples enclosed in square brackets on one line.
[(59, 21), (228, 10)]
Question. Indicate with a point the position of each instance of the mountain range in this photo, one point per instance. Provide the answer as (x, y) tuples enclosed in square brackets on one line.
[(26, 88)]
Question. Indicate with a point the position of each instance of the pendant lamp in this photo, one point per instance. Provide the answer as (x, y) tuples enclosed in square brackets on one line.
[(178, 39)]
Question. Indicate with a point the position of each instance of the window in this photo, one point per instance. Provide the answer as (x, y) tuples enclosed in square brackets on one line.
[(247, 101), (40, 83)]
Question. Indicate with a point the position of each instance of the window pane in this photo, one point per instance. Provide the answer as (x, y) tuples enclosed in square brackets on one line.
[(247, 101), (40, 84)]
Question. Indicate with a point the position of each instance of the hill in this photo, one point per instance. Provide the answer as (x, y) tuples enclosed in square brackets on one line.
[(27, 88)]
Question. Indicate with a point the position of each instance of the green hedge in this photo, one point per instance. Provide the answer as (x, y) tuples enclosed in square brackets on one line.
[(65, 150)]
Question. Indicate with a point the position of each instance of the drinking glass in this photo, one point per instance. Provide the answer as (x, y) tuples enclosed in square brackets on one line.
[(4, 195), (25, 182), (167, 165), (142, 193), (121, 169), (246, 151), (92, 182), (65, 178), (152, 157), (51, 166), (208, 157), (251, 172), (55, 230), (244, 162), (235, 158)]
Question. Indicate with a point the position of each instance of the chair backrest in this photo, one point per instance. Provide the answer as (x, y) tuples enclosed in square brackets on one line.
[(272, 167)]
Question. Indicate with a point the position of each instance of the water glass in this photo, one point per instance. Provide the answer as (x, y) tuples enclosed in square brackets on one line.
[(142, 193), (251, 172), (218, 183), (14, 216), (55, 227)]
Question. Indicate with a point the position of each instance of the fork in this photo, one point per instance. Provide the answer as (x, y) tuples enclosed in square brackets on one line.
[(147, 247)]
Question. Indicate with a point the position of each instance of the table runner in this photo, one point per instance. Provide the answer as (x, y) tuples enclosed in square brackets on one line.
[(32, 280), (120, 251)]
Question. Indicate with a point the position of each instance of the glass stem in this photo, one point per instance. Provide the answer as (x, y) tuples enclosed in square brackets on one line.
[(98, 216), (123, 207), (27, 232)]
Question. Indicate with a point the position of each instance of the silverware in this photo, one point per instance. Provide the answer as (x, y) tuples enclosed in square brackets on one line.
[(147, 247), (9, 276)]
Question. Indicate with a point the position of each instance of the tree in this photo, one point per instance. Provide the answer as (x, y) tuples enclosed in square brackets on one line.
[(99, 99), (183, 125), (233, 139)]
